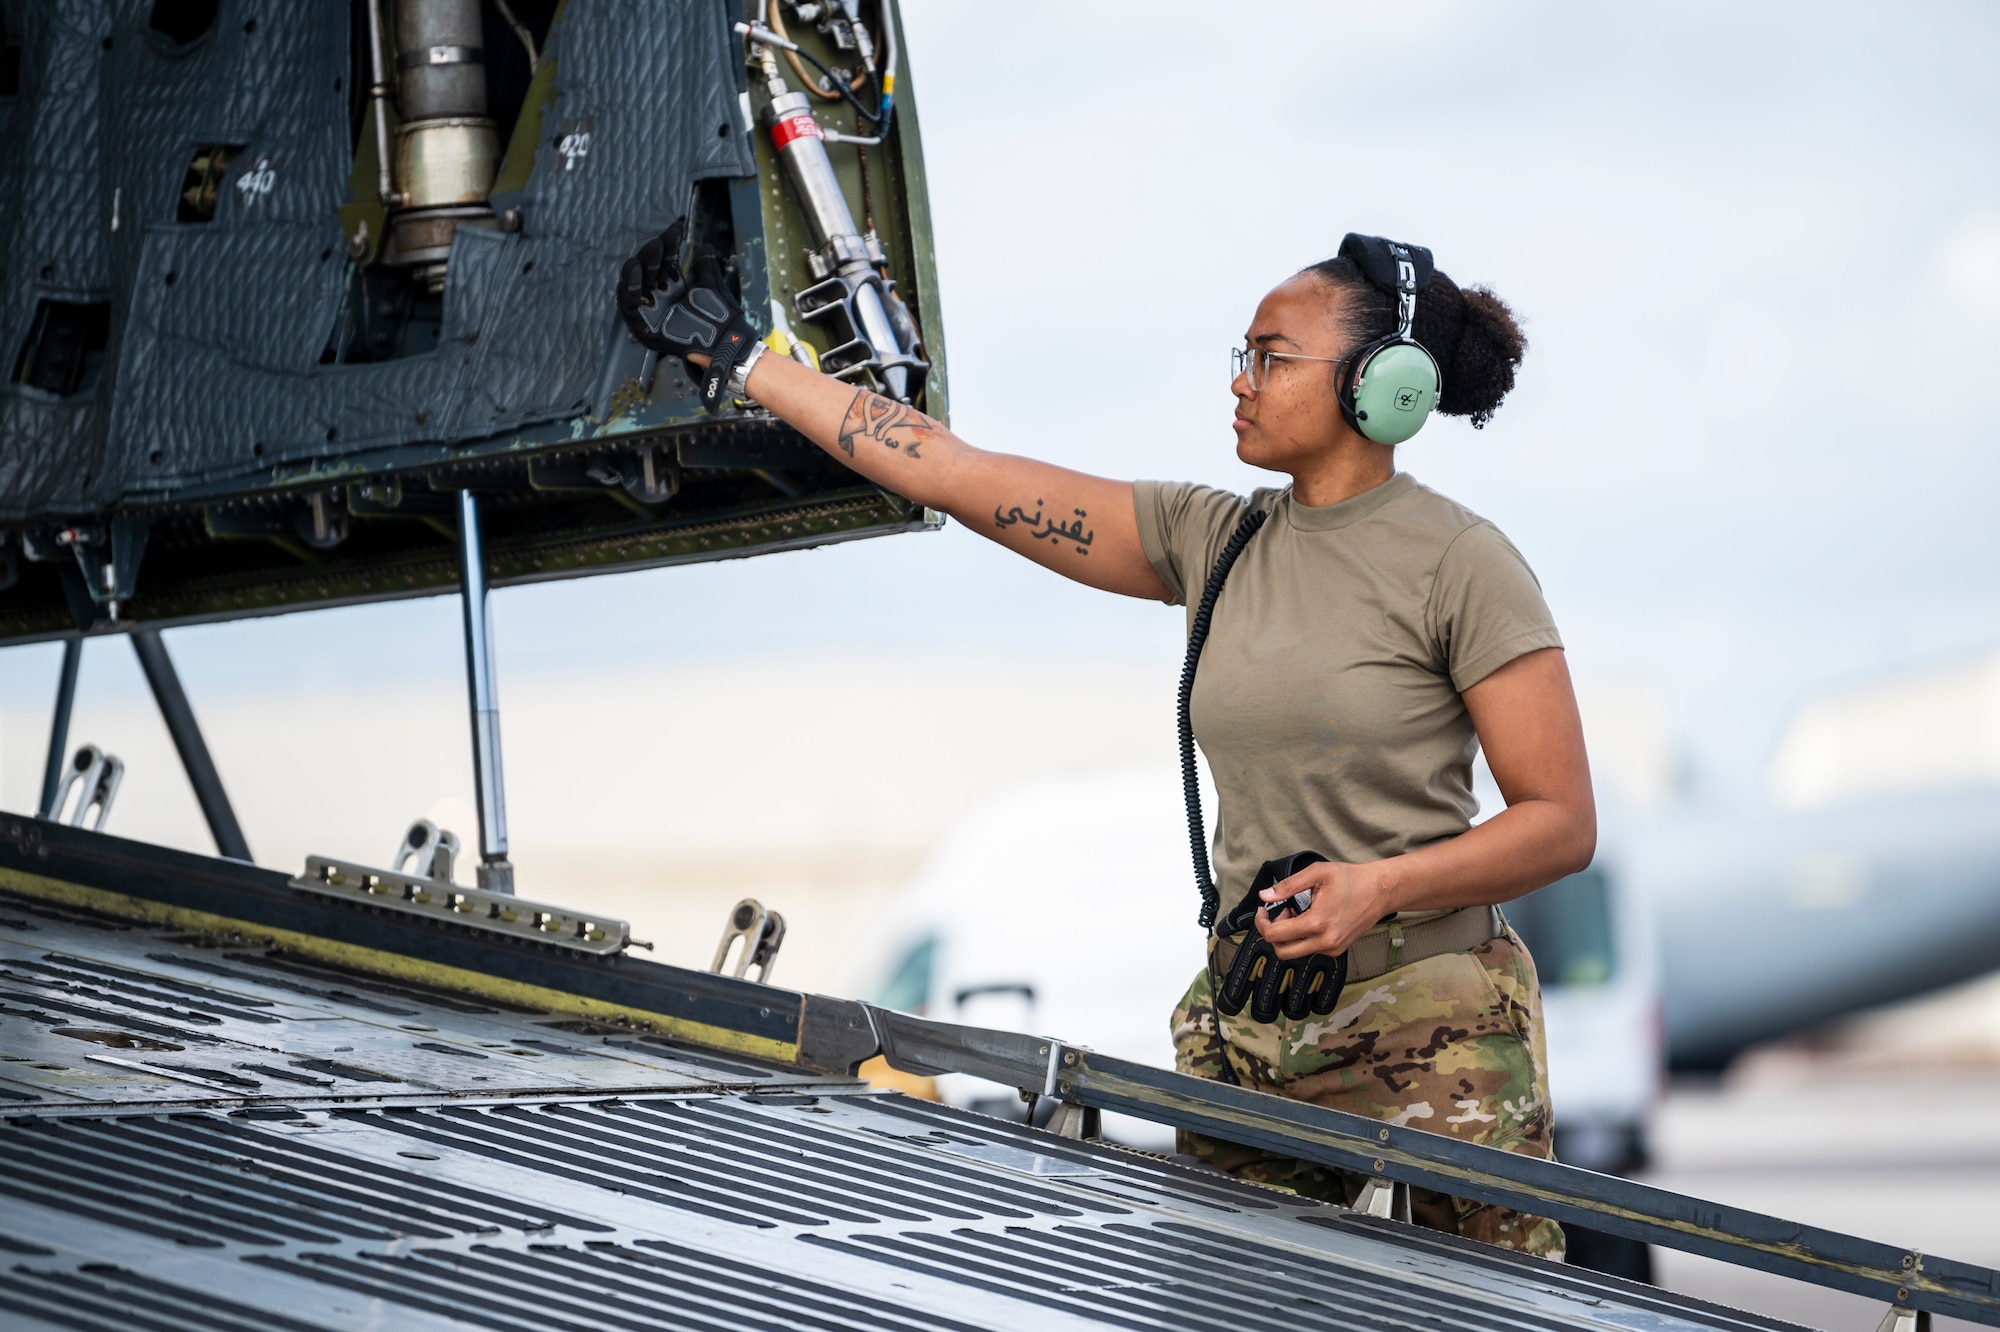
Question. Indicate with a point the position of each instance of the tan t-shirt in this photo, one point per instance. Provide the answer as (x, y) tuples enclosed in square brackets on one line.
[(1328, 698)]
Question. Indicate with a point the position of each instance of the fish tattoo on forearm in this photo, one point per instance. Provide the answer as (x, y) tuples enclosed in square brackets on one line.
[(893, 425)]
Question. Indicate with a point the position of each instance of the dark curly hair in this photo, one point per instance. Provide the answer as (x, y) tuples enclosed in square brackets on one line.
[(1470, 331)]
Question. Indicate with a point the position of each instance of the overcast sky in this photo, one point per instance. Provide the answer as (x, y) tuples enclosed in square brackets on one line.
[(1756, 250)]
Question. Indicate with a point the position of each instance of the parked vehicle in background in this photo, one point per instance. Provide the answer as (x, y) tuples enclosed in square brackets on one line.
[(1597, 953), (1596, 948), (1064, 907)]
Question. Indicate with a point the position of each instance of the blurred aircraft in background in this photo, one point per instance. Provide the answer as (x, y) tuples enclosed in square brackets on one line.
[(1874, 876)]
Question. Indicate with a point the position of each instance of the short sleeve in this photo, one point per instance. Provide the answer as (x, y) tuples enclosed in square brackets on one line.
[(1183, 528), (1486, 607)]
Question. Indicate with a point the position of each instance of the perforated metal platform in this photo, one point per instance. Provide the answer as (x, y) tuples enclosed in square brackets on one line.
[(201, 1134), (110, 1014)]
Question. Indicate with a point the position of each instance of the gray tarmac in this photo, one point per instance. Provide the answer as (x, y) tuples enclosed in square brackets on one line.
[(1911, 1158)]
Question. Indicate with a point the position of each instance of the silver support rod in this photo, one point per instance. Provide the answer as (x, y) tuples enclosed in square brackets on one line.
[(178, 714), (52, 774), (496, 875), (378, 94)]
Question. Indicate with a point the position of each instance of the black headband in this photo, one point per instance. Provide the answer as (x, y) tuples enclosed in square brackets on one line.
[(1391, 266), (1376, 258)]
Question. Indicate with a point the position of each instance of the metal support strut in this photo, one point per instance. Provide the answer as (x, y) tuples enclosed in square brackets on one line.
[(52, 774), (496, 875), (181, 725)]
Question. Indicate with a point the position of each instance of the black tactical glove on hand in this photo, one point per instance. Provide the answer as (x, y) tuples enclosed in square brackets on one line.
[(1257, 975), (678, 316)]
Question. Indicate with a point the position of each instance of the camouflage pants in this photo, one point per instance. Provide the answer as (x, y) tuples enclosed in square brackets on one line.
[(1452, 1044)]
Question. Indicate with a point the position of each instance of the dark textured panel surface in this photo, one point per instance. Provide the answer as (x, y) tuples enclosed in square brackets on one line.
[(218, 326), (237, 448), (54, 243)]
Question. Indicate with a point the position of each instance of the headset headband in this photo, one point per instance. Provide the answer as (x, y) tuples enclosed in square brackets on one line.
[(1387, 388), (1393, 267)]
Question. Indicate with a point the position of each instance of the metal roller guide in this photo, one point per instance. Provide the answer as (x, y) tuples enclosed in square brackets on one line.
[(471, 908)]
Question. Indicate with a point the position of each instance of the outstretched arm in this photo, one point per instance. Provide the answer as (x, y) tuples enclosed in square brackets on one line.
[(1083, 527)]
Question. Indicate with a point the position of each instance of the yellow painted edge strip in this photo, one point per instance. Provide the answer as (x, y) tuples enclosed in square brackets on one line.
[(398, 966)]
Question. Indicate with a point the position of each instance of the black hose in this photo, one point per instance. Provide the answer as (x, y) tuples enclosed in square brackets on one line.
[(1190, 780), (874, 120)]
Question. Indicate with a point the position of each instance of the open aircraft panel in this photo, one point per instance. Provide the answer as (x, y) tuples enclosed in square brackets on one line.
[(234, 381)]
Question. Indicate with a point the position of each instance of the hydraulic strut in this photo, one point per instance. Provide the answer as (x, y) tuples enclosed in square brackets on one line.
[(858, 306)]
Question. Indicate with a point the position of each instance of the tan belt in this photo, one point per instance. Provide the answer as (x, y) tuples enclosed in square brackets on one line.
[(1387, 947)]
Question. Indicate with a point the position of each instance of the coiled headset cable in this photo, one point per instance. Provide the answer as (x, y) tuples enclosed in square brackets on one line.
[(1211, 900)]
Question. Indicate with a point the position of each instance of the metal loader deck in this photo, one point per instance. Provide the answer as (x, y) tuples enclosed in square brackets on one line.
[(228, 1103)]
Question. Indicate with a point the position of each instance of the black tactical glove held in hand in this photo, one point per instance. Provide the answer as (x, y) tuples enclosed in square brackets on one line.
[(682, 316), (1258, 976)]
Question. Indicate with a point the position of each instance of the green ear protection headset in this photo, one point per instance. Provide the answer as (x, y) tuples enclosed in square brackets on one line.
[(1388, 388)]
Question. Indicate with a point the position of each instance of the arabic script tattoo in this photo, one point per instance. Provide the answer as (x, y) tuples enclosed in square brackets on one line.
[(1045, 529), (890, 424)]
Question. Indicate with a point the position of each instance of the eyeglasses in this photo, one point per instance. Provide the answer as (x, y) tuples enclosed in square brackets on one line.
[(1256, 363)]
